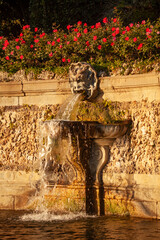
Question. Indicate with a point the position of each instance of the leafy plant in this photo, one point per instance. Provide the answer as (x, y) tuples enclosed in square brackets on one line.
[(107, 46)]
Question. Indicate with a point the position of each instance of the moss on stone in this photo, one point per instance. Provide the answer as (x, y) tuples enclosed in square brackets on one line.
[(118, 207), (103, 111)]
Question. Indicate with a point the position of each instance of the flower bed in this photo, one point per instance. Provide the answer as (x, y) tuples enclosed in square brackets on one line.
[(108, 46)]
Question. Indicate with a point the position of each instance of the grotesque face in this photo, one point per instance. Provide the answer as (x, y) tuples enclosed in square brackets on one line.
[(82, 78)]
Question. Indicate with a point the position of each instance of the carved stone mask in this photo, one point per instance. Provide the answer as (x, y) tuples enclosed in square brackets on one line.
[(82, 78)]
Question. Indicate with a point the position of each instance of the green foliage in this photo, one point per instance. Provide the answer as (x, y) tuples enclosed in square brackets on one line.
[(44, 13), (107, 45), (135, 10), (48, 115)]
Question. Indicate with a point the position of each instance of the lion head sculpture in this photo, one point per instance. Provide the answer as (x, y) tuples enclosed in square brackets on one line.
[(82, 78)]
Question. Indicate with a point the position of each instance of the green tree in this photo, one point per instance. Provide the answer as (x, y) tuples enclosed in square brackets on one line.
[(135, 10), (13, 14)]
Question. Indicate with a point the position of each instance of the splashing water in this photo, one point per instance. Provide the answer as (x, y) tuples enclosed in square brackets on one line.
[(49, 135), (49, 216)]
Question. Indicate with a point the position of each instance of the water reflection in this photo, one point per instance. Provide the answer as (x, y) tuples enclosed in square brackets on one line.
[(80, 227)]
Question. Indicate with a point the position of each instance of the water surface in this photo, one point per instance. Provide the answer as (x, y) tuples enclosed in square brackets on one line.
[(22, 226)]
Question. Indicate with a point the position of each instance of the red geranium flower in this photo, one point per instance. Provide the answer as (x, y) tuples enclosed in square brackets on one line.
[(21, 57), (79, 23), (6, 43), (69, 26), (36, 29), (50, 54), (55, 30), (98, 25), (127, 38), (69, 60), (140, 46), (7, 57), (115, 20), (95, 38), (87, 43), (104, 40), (92, 26), (42, 35), (76, 30), (36, 40), (99, 47), (17, 47), (25, 27), (31, 46), (112, 44), (63, 59), (75, 39), (85, 24), (53, 42), (79, 34), (128, 28), (134, 39), (105, 20), (117, 31), (58, 40), (85, 30)]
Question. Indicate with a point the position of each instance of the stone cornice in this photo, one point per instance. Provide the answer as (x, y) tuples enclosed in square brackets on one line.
[(55, 91), (130, 81)]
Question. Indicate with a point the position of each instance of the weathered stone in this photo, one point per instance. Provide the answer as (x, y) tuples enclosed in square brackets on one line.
[(83, 78)]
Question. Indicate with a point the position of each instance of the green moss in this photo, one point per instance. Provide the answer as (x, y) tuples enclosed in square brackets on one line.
[(118, 207), (103, 111), (48, 115)]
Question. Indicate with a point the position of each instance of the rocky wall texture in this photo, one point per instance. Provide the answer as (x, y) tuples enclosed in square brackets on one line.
[(19, 136), (139, 150), (136, 152)]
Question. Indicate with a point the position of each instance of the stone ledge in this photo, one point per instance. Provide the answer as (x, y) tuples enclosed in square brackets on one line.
[(131, 88), (131, 81), (42, 92), (11, 89), (46, 86)]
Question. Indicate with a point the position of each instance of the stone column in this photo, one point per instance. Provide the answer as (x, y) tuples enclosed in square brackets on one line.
[(99, 157)]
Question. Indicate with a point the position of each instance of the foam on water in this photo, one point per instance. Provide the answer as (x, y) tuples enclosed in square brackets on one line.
[(48, 217)]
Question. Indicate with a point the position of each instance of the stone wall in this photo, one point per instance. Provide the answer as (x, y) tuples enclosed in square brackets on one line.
[(131, 177), (139, 150), (19, 136), (136, 152)]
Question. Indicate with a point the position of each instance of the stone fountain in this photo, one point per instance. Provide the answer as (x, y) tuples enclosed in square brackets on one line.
[(74, 153)]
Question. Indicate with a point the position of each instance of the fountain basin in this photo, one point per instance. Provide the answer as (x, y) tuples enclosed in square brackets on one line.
[(73, 155), (90, 129)]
